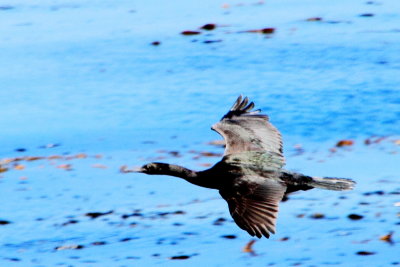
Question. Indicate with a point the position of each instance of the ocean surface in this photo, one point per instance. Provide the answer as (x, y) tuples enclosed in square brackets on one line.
[(89, 87)]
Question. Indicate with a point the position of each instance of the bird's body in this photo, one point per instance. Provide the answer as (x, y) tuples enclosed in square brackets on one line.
[(250, 176)]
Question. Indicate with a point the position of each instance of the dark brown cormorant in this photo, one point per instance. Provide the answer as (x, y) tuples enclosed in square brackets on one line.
[(250, 175)]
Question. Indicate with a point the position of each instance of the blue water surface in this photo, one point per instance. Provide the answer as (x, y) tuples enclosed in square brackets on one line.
[(84, 89)]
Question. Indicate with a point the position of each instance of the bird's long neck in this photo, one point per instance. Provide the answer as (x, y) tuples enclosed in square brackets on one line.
[(175, 170), (182, 172)]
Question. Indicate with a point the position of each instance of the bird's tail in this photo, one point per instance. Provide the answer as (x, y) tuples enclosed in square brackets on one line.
[(337, 184)]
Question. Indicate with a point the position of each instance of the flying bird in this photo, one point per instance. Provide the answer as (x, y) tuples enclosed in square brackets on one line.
[(250, 176)]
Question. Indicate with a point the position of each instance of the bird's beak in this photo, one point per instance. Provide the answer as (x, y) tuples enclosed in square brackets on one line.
[(125, 169), (137, 169)]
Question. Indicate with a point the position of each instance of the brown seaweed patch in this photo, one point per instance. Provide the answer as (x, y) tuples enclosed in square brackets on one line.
[(248, 248), (262, 31), (190, 32), (343, 143), (387, 238)]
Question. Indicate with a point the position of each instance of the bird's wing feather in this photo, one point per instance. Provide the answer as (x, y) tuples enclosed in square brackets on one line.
[(256, 211), (245, 129), (255, 161)]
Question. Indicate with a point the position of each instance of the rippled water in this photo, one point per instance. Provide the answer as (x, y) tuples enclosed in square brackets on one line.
[(83, 79)]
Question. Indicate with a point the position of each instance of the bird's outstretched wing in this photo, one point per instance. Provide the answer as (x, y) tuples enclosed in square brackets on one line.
[(256, 211), (246, 130)]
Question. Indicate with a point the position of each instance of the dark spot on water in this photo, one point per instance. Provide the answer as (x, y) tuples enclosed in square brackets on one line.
[(148, 142), (314, 19), (219, 221), (12, 259), (95, 215), (378, 193), (382, 62), (70, 222), (178, 212), (49, 146), (317, 216), (89, 261), (156, 255), (6, 7), (355, 217), (126, 239), (132, 258), (365, 253), (286, 238), (20, 149), (367, 15), (3, 222), (228, 236), (69, 247), (174, 153), (135, 214), (181, 257), (156, 43), (177, 224), (208, 26), (211, 41), (190, 233), (99, 243)]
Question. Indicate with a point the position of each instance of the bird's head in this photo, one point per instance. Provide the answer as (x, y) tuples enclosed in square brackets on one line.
[(152, 168)]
